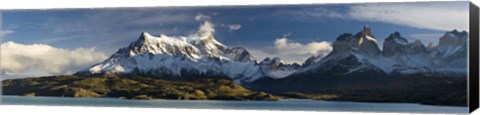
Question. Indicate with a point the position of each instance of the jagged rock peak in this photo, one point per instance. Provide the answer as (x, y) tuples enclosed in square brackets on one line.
[(431, 45), (395, 38), (276, 68), (396, 34), (453, 38), (362, 42), (267, 59), (275, 60), (367, 31), (143, 39), (239, 54), (458, 33), (366, 42), (345, 36), (418, 43)]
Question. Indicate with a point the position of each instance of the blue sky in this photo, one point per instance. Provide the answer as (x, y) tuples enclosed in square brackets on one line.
[(256, 28)]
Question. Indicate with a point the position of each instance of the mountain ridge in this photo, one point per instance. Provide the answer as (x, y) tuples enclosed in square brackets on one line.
[(200, 54)]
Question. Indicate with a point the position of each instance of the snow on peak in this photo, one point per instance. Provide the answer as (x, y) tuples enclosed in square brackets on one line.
[(199, 54), (276, 68), (274, 61), (397, 38)]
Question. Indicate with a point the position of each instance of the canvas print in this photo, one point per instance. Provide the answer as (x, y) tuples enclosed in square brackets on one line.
[(366, 57)]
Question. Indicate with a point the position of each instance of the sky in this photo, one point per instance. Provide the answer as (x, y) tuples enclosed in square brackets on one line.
[(62, 41)]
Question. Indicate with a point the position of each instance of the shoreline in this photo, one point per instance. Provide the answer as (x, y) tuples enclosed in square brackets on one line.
[(215, 100)]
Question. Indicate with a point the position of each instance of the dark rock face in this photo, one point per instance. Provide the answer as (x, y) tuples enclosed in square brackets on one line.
[(453, 38), (363, 42), (366, 42), (239, 54), (395, 45)]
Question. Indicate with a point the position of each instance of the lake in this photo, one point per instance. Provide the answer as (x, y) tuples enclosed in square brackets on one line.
[(290, 104)]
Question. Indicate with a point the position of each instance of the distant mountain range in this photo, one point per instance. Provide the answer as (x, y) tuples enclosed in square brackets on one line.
[(357, 63), (201, 55)]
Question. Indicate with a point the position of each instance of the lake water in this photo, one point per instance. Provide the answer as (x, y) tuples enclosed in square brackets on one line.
[(295, 105)]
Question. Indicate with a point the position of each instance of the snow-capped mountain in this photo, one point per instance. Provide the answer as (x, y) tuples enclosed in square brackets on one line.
[(359, 53), (350, 54), (356, 62), (451, 53), (277, 68), (165, 56), (201, 55)]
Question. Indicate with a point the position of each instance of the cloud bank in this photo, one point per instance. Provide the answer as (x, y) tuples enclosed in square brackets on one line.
[(42, 59), (423, 16), (292, 51), (434, 16)]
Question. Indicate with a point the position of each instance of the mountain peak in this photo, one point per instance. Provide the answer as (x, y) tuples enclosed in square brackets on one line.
[(363, 41), (275, 60), (458, 34), (276, 68), (345, 36), (267, 59), (366, 28), (396, 34), (367, 31), (454, 38), (313, 59), (144, 38), (396, 38), (145, 35), (366, 42)]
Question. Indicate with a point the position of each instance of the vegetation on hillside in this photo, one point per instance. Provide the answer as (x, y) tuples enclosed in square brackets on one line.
[(132, 88)]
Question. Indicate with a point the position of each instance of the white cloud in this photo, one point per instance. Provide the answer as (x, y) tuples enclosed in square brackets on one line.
[(206, 28), (425, 16), (232, 27), (6, 32), (443, 16), (42, 59), (201, 17), (292, 51)]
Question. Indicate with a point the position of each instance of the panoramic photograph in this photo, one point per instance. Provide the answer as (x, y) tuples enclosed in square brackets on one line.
[(367, 57)]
